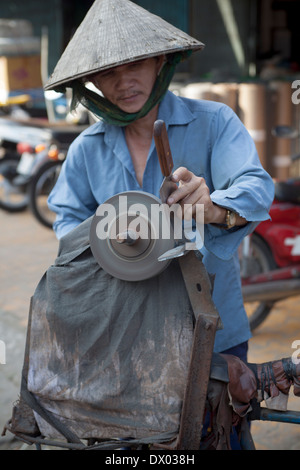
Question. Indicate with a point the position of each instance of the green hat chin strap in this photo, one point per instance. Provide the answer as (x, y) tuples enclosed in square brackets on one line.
[(110, 113)]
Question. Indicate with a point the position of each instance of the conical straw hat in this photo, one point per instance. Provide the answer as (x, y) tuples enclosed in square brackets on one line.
[(116, 32)]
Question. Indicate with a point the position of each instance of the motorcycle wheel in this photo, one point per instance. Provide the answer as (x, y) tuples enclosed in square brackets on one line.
[(261, 261), (13, 197), (41, 186)]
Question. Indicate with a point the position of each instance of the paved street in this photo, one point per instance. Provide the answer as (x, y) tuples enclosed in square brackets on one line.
[(27, 249)]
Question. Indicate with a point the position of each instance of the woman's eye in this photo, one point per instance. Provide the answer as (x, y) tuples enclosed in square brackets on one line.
[(136, 65), (106, 74)]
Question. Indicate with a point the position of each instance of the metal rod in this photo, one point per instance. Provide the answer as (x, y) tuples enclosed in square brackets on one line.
[(274, 290), (280, 416)]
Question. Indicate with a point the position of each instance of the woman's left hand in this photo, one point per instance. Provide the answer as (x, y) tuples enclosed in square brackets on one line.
[(192, 192)]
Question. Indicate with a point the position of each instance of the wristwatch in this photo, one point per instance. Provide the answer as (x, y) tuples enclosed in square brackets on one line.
[(230, 219)]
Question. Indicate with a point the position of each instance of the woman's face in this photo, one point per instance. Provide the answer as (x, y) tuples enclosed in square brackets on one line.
[(129, 86)]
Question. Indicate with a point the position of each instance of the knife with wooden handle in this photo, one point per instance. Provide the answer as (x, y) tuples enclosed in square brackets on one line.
[(165, 159)]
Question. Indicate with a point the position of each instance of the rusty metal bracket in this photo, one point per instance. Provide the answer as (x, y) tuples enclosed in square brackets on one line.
[(207, 321), (199, 288)]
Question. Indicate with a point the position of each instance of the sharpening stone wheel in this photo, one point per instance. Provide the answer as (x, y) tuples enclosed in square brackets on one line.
[(134, 258)]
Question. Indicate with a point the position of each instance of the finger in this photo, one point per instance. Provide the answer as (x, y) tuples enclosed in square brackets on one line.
[(194, 196), (179, 194), (195, 202), (189, 191), (182, 174)]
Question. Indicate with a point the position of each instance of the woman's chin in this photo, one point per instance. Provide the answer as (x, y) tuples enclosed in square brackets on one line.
[(131, 105)]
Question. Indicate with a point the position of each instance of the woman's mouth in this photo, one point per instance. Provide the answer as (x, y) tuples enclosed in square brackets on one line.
[(129, 98), (131, 102)]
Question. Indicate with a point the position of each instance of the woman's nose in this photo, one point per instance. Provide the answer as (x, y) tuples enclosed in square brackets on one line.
[(122, 82), (123, 78)]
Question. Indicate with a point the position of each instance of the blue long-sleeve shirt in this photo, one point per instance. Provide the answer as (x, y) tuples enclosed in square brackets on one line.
[(208, 139)]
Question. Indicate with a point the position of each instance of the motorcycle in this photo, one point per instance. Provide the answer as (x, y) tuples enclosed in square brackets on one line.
[(270, 257), (38, 172), (13, 196), (28, 180)]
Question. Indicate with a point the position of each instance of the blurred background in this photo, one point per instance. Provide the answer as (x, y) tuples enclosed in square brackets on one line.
[(251, 62)]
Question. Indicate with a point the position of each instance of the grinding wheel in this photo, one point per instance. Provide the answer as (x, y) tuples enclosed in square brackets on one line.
[(126, 240)]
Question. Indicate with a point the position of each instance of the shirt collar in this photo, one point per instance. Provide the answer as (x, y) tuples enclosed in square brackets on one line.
[(173, 110)]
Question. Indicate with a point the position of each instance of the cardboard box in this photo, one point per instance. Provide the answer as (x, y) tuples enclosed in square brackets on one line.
[(20, 72)]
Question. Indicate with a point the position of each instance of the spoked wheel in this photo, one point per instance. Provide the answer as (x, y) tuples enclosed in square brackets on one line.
[(261, 260), (39, 190), (13, 196)]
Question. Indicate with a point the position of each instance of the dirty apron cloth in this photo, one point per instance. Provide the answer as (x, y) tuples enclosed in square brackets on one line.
[(108, 358)]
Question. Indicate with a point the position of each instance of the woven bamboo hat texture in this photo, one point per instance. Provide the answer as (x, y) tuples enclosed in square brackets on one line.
[(116, 32)]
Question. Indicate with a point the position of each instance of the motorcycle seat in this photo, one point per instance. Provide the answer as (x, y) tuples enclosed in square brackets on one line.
[(288, 191)]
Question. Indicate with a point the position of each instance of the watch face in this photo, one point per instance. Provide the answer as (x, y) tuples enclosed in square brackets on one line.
[(231, 219)]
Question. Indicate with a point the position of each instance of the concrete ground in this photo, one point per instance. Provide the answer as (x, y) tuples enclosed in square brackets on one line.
[(26, 251)]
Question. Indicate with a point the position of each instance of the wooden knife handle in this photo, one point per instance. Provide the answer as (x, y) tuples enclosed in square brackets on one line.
[(163, 147)]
